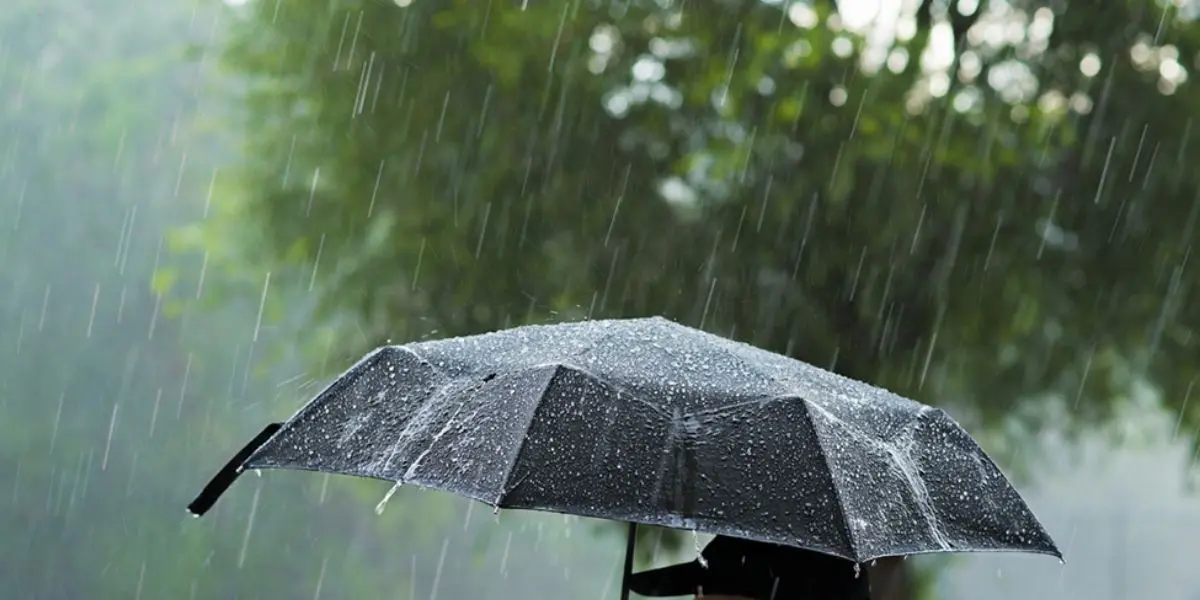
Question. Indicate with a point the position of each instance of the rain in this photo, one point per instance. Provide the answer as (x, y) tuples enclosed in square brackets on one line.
[(902, 281)]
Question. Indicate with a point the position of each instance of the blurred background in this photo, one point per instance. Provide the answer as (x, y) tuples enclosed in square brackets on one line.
[(209, 209)]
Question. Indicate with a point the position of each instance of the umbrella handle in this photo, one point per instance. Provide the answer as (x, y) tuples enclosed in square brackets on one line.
[(630, 542), (230, 472)]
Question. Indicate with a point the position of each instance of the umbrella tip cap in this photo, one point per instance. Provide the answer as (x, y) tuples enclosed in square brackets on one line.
[(198, 509)]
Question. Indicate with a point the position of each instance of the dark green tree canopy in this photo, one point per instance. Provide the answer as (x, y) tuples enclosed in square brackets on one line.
[(1009, 218), (988, 205)]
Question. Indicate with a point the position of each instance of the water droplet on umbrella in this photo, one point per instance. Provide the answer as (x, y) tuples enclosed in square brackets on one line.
[(699, 555), (388, 496)]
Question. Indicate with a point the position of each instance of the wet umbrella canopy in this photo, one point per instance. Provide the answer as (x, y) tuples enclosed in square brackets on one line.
[(648, 421)]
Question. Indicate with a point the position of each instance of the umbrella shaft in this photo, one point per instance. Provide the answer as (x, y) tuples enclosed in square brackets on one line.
[(630, 543)]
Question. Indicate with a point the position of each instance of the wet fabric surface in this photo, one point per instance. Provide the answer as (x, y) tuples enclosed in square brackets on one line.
[(649, 421)]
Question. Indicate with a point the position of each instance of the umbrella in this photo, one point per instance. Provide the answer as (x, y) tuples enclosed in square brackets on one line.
[(648, 421)]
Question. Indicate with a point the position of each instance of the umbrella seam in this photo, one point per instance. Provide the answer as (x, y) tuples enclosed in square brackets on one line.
[(837, 490), (516, 455), (412, 421), (915, 478), (747, 364)]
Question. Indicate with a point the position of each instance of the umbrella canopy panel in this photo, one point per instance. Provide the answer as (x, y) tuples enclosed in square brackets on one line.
[(651, 422)]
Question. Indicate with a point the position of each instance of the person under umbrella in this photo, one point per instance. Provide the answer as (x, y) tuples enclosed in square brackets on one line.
[(737, 569)]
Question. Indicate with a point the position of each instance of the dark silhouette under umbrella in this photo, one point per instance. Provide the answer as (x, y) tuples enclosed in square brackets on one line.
[(757, 571)]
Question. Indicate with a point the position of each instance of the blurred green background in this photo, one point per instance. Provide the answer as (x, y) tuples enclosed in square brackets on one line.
[(207, 210)]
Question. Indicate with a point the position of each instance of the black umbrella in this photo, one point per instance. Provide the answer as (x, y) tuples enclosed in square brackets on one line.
[(648, 421)]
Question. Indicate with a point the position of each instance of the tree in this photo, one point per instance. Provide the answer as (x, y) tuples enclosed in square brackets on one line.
[(102, 398), (1002, 227)]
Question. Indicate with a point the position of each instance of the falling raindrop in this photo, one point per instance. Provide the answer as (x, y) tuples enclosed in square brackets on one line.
[(321, 578), (504, 556), (325, 489), (437, 575), (249, 528)]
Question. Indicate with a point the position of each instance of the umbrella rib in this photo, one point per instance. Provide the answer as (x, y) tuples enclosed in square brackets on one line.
[(364, 364), (913, 476), (837, 489), (914, 481), (516, 455), (751, 366), (620, 388), (739, 404)]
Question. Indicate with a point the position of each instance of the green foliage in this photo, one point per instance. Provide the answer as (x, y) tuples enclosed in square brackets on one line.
[(474, 178), (111, 413), (1013, 248)]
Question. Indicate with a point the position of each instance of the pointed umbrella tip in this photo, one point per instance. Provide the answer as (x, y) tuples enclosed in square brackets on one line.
[(1050, 547), (1047, 549), (201, 505)]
